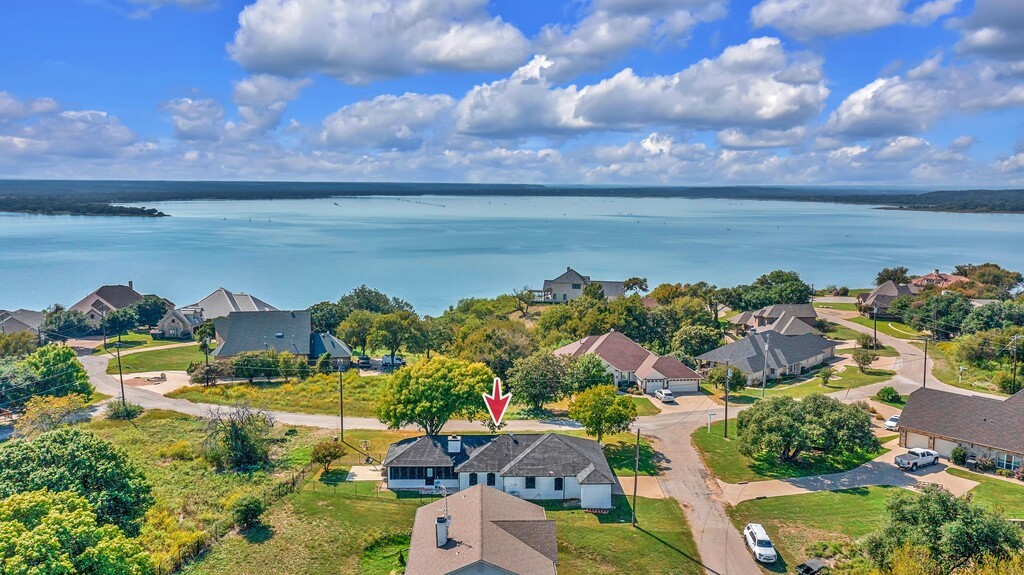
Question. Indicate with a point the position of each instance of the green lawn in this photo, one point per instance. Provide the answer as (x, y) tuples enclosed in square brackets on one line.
[(841, 332), (1004, 496), (897, 404), (318, 394), (837, 306), (645, 406), (96, 397), (353, 529), (190, 494), (888, 327), (882, 351), (795, 523), (848, 378), (723, 458), (174, 359), (133, 340)]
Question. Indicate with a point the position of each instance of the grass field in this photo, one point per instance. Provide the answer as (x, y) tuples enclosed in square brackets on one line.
[(836, 306), (1004, 496), (723, 458), (644, 406), (190, 494), (355, 529), (882, 351), (174, 359), (133, 340), (841, 332), (848, 378), (945, 369), (888, 327), (797, 522), (318, 394)]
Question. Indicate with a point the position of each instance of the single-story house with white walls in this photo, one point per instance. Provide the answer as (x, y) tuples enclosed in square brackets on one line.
[(943, 421), (529, 466), (786, 354), (630, 365)]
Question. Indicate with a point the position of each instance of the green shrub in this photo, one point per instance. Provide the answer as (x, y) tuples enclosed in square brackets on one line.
[(986, 464), (247, 511), (1004, 473), (123, 411), (959, 455), (325, 452), (888, 394), (864, 340), (1005, 382)]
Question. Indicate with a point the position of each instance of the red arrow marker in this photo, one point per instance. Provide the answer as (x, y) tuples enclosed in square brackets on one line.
[(496, 402)]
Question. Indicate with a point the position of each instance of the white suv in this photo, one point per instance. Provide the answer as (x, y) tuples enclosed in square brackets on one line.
[(665, 395), (759, 543)]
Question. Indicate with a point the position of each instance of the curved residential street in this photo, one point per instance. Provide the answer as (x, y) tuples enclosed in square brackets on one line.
[(702, 497)]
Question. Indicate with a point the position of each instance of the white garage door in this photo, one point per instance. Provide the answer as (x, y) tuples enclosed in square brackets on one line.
[(683, 385), (917, 440), (945, 447)]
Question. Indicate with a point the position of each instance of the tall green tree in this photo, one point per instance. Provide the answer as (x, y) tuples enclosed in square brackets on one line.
[(372, 300), (435, 335), (17, 345), (58, 371), (121, 321), (430, 393), (497, 344), (956, 531), (897, 274), (717, 376), (635, 285), (777, 287), (602, 411), (594, 290), (59, 533), (537, 379), (61, 324), (584, 372), (326, 316), (941, 314), (151, 309), (696, 339), (523, 299), (393, 330), (355, 329), (69, 459), (783, 428)]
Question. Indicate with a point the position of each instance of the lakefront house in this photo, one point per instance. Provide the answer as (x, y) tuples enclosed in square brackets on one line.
[(570, 285)]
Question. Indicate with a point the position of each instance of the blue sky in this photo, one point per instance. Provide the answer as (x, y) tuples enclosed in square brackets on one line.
[(865, 92)]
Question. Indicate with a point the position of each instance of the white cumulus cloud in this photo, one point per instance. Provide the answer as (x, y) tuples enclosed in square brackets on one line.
[(385, 122), (805, 19)]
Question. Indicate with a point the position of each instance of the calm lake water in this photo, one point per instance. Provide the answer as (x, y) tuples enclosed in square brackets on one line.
[(434, 250)]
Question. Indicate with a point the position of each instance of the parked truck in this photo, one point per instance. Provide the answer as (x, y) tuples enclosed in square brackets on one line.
[(915, 458)]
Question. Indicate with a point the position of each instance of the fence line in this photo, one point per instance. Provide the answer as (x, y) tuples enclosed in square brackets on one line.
[(220, 528)]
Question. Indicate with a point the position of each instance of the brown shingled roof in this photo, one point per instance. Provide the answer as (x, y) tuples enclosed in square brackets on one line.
[(967, 418)]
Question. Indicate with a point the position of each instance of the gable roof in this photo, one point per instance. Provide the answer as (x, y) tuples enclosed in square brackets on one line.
[(800, 310), (108, 298), (20, 320), (788, 325), (888, 291), (748, 354), (487, 526), (259, 330), (326, 343), (221, 302), (967, 418), (667, 367), (518, 455), (939, 279), (570, 276), (614, 348)]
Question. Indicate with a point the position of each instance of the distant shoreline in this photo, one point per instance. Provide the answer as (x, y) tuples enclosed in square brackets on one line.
[(102, 198)]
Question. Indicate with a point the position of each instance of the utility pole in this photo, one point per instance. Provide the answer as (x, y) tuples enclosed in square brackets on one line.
[(120, 374), (874, 342), (341, 403), (636, 472), (1015, 361), (728, 378), (924, 368), (764, 370), (206, 350)]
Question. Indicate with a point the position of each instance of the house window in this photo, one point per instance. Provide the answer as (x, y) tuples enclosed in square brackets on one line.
[(531, 483), (491, 479), (559, 484), (472, 479), (1006, 461), (577, 286)]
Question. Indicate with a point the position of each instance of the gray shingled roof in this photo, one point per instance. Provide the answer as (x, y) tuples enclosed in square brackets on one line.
[(747, 354), (221, 302), (118, 296), (487, 527), (791, 309), (259, 330), (967, 418), (518, 455), (20, 320), (326, 343), (885, 293)]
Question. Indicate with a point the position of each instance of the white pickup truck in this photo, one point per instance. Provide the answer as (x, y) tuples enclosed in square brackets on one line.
[(916, 458)]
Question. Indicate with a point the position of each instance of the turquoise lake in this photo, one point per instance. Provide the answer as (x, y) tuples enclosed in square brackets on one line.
[(435, 250)]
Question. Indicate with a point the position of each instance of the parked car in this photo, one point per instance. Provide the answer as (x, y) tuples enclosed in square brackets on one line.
[(893, 423), (811, 567), (665, 395), (759, 543), (915, 458), (387, 362), (364, 362)]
